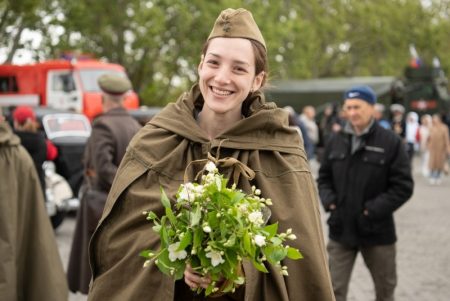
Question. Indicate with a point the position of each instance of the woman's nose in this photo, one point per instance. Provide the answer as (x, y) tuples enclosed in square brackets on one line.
[(222, 76)]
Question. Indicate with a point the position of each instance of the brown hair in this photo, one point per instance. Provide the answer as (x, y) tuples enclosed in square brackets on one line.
[(261, 61)]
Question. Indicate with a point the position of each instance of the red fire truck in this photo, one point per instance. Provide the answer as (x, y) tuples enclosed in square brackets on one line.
[(61, 84)]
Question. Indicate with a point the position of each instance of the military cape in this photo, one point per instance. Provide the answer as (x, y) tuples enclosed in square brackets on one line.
[(30, 264), (158, 156)]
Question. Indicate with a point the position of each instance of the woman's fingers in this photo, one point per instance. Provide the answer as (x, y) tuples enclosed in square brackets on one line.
[(195, 280)]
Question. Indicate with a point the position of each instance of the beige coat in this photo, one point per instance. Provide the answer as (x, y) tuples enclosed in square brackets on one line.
[(438, 146), (30, 265), (158, 156)]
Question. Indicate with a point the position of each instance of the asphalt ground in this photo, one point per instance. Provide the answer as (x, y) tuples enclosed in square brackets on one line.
[(423, 247)]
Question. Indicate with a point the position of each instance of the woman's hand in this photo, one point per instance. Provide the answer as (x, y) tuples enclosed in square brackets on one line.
[(195, 280)]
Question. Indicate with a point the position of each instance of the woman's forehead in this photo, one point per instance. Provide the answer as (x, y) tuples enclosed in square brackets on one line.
[(237, 49)]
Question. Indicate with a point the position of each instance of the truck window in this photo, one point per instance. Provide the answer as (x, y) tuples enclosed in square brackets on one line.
[(63, 82), (89, 78), (8, 84)]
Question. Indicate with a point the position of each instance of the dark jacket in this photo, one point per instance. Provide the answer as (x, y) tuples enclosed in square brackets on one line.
[(36, 146), (158, 156), (111, 133), (376, 177)]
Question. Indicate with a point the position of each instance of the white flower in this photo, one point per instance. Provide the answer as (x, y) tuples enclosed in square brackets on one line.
[(210, 167), (209, 179), (292, 236), (189, 192), (243, 208), (207, 229), (260, 240), (216, 258), (174, 254), (256, 217)]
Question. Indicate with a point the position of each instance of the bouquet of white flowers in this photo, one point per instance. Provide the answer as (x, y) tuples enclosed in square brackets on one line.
[(213, 228)]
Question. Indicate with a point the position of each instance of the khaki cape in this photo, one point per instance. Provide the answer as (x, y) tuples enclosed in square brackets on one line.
[(158, 156), (30, 265)]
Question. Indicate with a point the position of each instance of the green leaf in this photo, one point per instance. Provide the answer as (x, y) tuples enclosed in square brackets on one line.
[(198, 237), (171, 216), (237, 196), (271, 229), (196, 215), (276, 241), (156, 228), (294, 253), (277, 255), (163, 233), (260, 266), (186, 241), (164, 199), (164, 263), (146, 253), (247, 243), (151, 215)]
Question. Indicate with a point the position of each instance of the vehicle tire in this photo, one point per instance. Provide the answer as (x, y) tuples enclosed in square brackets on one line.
[(58, 218)]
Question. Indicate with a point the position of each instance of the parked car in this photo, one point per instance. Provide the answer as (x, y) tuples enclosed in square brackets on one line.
[(69, 133)]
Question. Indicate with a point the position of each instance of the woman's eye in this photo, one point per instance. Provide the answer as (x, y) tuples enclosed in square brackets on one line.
[(240, 69), (212, 62)]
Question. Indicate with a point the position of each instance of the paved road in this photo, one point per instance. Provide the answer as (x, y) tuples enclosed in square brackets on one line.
[(423, 249)]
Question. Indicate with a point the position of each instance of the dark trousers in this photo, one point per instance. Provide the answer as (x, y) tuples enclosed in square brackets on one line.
[(380, 260)]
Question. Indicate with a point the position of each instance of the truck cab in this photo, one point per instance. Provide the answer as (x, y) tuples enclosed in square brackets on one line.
[(60, 84)]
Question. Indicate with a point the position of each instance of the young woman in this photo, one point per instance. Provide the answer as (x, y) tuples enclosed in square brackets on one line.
[(226, 115)]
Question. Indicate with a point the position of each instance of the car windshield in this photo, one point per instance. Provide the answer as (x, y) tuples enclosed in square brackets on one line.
[(63, 125), (89, 78)]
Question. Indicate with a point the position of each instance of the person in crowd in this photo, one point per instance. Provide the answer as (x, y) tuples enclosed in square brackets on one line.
[(30, 265), (424, 133), (110, 136), (297, 124), (412, 134), (439, 148), (379, 116), (398, 123), (364, 177), (308, 118), (330, 122), (225, 115), (41, 149)]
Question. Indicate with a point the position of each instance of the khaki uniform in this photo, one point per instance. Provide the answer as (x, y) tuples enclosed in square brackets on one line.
[(158, 156), (30, 265)]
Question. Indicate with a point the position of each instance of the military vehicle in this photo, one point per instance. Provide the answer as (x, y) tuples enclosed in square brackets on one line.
[(423, 89)]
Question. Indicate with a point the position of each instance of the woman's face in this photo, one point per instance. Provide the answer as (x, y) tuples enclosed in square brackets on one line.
[(227, 75)]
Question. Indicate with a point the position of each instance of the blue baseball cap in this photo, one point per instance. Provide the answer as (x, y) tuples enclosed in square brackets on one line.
[(361, 92)]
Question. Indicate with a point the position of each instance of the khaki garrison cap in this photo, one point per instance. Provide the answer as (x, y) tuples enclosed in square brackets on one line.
[(114, 84), (236, 23)]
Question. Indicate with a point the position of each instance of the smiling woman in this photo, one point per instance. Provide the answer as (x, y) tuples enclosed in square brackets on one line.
[(224, 118)]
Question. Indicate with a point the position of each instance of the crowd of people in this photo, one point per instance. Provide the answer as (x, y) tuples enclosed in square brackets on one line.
[(425, 136), (225, 115)]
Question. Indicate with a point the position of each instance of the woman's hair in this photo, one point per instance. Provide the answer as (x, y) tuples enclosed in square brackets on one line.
[(27, 126), (261, 61)]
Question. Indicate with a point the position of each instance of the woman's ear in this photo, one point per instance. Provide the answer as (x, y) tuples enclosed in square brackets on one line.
[(257, 81)]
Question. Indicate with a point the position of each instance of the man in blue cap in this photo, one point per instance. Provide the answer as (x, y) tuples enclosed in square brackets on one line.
[(364, 177)]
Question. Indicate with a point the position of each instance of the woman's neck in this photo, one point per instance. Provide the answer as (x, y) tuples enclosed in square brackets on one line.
[(214, 124)]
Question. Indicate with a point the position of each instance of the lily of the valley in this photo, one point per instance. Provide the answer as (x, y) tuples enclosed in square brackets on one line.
[(174, 254), (215, 257)]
